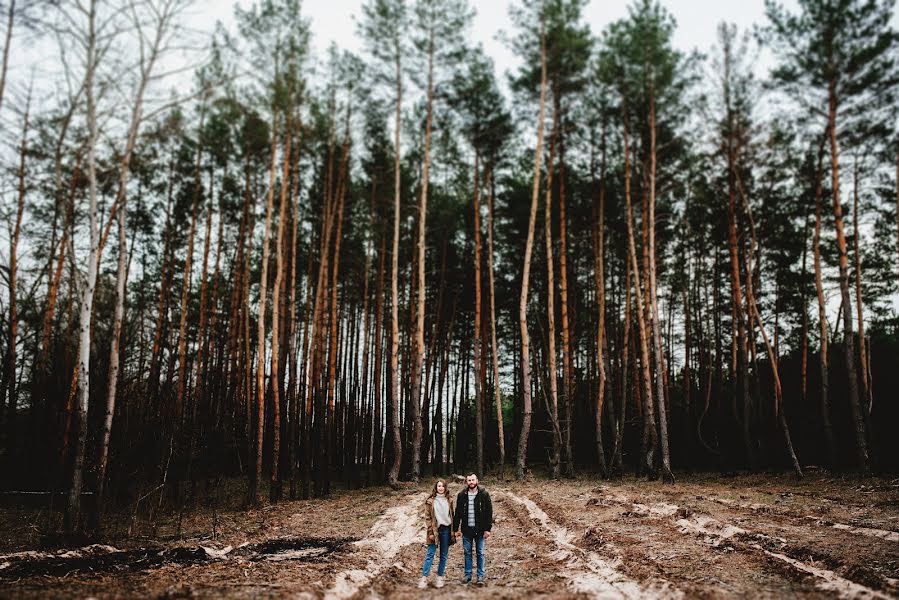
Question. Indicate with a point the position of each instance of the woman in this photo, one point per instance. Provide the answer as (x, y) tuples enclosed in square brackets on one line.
[(438, 520)]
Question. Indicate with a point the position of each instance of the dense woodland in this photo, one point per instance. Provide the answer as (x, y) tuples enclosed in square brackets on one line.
[(302, 271)]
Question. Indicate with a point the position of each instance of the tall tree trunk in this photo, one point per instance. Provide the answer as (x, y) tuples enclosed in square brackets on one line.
[(88, 284), (260, 323), (393, 475), (330, 423), (742, 350), (478, 380), (600, 282), (649, 410), (377, 442), (12, 354), (567, 369), (313, 358), (185, 292), (552, 370), (861, 441), (10, 19), (862, 349), (757, 318), (803, 344), (419, 340), (292, 376), (159, 330), (653, 299), (275, 489), (823, 351), (494, 349), (525, 279), (367, 429), (740, 347), (146, 69), (617, 452)]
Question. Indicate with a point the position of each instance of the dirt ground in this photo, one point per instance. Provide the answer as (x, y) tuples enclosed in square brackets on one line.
[(761, 536)]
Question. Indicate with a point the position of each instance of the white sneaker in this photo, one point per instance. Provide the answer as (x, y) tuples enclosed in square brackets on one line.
[(423, 582), (439, 583)]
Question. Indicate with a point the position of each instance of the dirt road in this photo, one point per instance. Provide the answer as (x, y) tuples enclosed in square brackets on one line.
[(749, 537)]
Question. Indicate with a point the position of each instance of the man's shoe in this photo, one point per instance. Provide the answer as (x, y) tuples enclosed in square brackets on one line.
[(423, 582), (481, 581), (466, 579), (439, 582)]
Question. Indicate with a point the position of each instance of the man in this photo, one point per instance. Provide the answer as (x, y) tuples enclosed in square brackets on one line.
[(474, 512)]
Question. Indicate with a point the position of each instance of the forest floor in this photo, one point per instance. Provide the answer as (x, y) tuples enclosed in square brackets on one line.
[(758, 536)]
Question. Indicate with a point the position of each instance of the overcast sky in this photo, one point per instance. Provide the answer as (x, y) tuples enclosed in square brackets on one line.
[(333, 21), (697, 20)]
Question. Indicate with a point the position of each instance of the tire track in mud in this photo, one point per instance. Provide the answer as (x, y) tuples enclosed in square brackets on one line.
[(717, 533), (586, 571), (398, 527), (826, 580), (874, 532)]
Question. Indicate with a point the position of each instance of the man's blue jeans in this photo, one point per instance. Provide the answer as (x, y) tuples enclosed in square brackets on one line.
[(467, 542), (443, 538)]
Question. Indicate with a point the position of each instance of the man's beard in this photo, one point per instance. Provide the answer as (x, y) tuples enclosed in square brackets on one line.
[(472, 486)]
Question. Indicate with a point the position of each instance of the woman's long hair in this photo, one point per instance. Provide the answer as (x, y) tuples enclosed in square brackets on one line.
[(446, 491)]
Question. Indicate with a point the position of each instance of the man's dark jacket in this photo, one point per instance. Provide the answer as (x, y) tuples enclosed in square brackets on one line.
[(483, 512)]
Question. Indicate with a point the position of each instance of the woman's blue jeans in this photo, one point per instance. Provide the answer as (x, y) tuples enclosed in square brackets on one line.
[(443, 538)]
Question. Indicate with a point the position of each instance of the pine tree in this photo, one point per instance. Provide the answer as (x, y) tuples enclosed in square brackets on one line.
[(838, 60)]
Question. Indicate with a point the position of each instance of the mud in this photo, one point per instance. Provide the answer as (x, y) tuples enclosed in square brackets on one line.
[(101, 558), (705, 537)]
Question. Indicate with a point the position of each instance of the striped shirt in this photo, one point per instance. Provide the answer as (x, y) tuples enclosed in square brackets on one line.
[(471, 497)]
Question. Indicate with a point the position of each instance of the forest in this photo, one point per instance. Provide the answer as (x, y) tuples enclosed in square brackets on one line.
[(270, 274)]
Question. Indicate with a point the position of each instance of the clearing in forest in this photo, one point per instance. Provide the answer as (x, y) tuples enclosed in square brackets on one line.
[(707, 537)]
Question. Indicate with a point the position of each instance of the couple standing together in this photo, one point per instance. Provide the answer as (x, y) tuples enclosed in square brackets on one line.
[(469, 516)]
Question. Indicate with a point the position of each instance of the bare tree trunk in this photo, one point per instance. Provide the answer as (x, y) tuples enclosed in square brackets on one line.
[(42, 363), (275, 486), (772, 355), (862, 350), (260, 324), (393, 475), (12, 354), (9, 25), (164, 286), (600, 282), (823, 350), (552, 374), (617, 458), (478, 381), (649, 413), (523, 300), (740, 347), (367, 431), (185, 292), (494, 352), (88, 284), (377, 443), (667, 475), (861, 440), (567, 369), (419, 340), (330, 423), (804, 334), (163, 15)]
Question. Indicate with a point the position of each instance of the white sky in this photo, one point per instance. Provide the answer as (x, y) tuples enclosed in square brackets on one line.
[(332, 21)]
